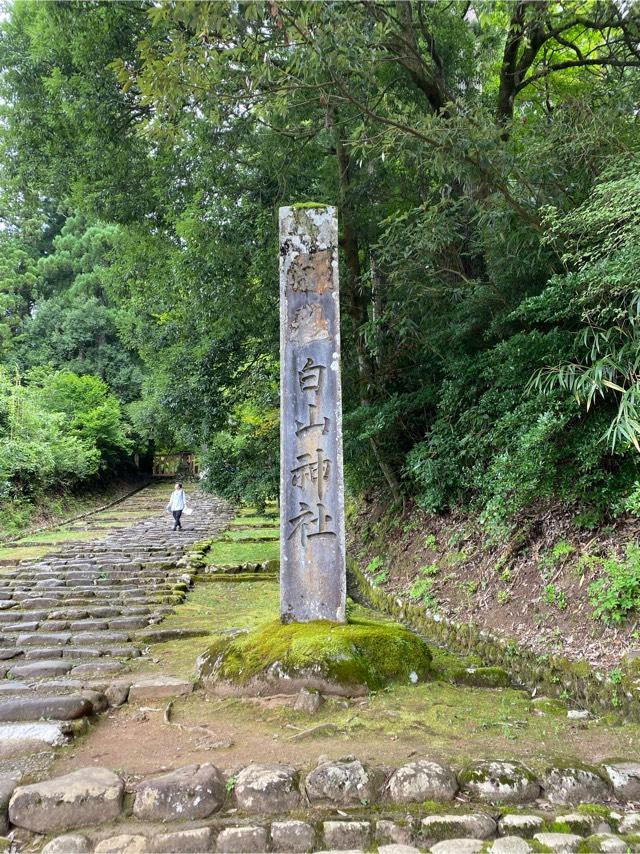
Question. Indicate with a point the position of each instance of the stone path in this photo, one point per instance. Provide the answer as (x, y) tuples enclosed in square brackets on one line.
[(70, 622)]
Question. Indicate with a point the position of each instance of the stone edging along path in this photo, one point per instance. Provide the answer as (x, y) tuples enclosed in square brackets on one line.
[(339, 804), (552, 676)]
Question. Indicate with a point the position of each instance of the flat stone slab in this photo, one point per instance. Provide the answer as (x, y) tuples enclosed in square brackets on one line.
[(43, 639), (61, 708), (89, 796), (17, 739), (96, 668), (99, 638), (41, 669), (158, 687)]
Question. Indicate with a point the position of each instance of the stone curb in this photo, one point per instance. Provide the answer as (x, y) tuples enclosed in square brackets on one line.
[(91, 796)]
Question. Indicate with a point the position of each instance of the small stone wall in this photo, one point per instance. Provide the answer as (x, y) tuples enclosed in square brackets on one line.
[(340, 804), (553, 676)]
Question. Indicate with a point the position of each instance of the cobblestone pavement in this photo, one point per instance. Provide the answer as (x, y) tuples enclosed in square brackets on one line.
[(72, 620)]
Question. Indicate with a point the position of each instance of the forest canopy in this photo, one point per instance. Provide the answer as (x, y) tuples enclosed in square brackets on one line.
[(484, 158)]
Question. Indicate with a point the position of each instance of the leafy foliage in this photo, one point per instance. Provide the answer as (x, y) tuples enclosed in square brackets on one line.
[(617, 593), (485, 164)]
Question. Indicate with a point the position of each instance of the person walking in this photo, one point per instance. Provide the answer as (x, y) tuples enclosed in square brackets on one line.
[(177, 503)]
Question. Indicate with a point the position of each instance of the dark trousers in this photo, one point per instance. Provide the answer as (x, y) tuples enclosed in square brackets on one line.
[(176, 515)]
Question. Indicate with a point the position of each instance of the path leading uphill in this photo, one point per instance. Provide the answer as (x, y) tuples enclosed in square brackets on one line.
[(71, 622)]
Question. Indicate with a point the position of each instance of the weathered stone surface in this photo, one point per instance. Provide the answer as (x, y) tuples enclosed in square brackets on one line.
[(117, 694), (574, 785), (346, 834), (62, 708), (43, 639), (339, 783), (520, 825), (70, 843), (125, 843), (471, 826), (421, 781), (630, 823), (510, 845), (457, 846), (582, 825), (308, 702), (40, 669), (158, 687), (8, 783), (508, 782), (625, 779), (397, 848), (89, 796), (608, 842), (292, 836), (561, 842), (35, 654), (96, 668), (185, 841), (393, 832), (194, 791), (312, 545), (267, 788), (242, 840), (17, 739)]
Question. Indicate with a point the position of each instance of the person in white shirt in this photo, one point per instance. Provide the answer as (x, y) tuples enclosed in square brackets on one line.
[(176, 505)]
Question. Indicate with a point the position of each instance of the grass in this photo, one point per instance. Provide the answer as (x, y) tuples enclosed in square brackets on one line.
[(254, 521), (253, 534), (60, 535), (456, 721), (453, 723), (24, 552), (222, 552)]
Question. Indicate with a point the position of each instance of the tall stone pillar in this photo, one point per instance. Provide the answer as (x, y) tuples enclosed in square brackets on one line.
[(312, 550)]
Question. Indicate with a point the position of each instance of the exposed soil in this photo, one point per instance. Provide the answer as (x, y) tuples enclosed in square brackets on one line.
[(533, 588), (233, 733)]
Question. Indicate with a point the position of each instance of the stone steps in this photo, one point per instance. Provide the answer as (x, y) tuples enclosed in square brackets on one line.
[(70, 621)]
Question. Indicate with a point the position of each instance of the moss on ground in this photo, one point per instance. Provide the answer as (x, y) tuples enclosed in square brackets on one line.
[(61, 535), (24, 552), (254, 522), (229, 553), (252, 534), (361, 652), (459, 723)]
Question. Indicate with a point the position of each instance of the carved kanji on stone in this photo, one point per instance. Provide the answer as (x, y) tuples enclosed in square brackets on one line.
[(312, 565)]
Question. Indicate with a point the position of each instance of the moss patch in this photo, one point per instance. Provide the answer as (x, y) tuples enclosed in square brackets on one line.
[(482, 677), (252, 534), (223, 553), (362, 652)]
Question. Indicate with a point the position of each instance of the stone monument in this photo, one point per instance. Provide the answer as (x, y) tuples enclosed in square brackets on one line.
[(312, 545), (312, 645)]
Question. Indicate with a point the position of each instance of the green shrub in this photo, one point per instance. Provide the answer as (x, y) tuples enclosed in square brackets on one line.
[(617, 593)]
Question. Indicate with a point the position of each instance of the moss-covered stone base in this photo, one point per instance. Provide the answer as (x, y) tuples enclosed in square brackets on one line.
[(349, 659)]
